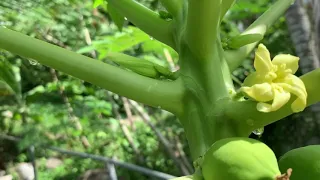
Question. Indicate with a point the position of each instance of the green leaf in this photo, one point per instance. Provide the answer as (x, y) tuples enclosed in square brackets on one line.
[(154, 46), (4, 89), (120, 41), (116, 16), (97, 3), (86, 49), (10, 76), (37, 89)]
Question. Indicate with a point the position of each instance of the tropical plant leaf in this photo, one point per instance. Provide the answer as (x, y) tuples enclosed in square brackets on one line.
[(117, 18), (10, 77), (97, 3)]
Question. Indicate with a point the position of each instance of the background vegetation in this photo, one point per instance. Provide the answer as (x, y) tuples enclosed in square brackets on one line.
[(46, 107)]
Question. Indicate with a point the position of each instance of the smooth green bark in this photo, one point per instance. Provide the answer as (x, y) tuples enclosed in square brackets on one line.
[(202, 26), (206, 76), (174, 7), (164, 94), (206, 95)]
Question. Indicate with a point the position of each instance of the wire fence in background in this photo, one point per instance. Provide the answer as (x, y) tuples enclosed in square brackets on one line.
[(110, 162)]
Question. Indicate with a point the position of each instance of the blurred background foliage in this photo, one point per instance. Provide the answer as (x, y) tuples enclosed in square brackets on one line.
[(46, 107)]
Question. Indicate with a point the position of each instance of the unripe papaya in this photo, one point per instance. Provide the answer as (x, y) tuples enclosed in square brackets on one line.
[(183, 178), (190, 177), (240, 159), (304, 161)]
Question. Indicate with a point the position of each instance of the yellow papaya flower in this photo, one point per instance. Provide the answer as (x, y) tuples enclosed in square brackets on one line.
[(274, 82)]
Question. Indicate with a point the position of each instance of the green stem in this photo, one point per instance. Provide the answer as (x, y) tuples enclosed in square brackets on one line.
[(227, 77), (205, 124), (147, 20), (249, 118), (226, 5), (202, 27), (205, 98), (206, 77), (260, 26), (173, 6), (167, 94)]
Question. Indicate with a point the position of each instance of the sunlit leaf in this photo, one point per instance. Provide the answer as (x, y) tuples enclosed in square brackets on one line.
[(97, 3)]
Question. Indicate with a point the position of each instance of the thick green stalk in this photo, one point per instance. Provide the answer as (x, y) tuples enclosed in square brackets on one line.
[(206, 95), (173, 6), (147, 20), (206, 76), (260, 26), (202, 26), (226, 5), (164, 94), (205, 124), (249, 119)]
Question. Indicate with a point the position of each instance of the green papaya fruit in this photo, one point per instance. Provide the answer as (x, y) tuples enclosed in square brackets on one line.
[(240, 159), (190, 177), (183, 178), (304, 161)]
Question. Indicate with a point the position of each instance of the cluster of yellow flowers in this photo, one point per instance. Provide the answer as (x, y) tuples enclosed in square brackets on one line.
[(274, 81)]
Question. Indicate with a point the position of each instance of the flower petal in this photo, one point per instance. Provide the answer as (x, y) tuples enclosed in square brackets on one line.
[(281, 97), (296, 82), (291, 62), (295, 85), (298, 105), (264, 107), (260, 92), (262, 61), (301, 102), (253, 79)]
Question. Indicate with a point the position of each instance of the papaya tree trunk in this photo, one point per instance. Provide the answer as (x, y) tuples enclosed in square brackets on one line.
[(316, 18)]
